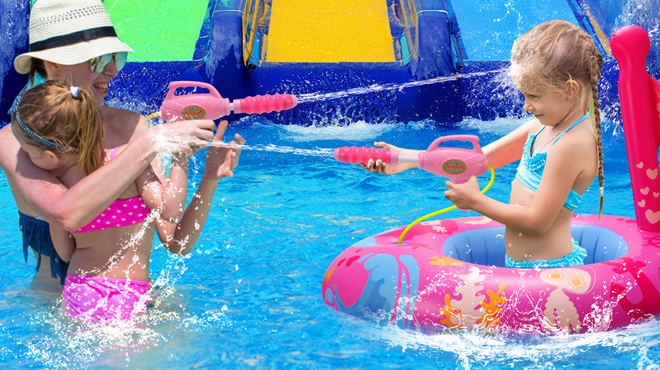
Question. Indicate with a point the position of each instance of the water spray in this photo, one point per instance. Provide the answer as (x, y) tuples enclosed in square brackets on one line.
[(212, 105), (456, 164)]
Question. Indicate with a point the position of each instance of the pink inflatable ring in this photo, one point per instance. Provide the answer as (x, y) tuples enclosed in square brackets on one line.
[(450, 274)]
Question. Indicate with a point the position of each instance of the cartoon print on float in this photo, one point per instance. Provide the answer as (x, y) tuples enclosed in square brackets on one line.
[(559, 310)]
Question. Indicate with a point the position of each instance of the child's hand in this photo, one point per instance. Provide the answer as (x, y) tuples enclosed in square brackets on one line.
[(220, 160), (388, 169), (239, 141), (464, 196)]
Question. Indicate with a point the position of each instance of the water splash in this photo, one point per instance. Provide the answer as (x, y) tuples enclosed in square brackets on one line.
[(318, 152), (471, 349), (312, 97)]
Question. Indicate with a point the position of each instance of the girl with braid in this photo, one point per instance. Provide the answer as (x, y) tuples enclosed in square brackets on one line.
[(556, 66)]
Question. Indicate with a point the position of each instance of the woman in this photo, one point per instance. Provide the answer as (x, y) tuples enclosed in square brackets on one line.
[(75, 42)]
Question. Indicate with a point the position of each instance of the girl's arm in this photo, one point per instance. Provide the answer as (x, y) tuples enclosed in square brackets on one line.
[(168, 195), (508, 148), (63, 242), (181, 238), (73, 208), (560, 173), (500, 153), (390, 169)]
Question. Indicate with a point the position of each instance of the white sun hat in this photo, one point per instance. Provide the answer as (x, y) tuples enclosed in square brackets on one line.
[(69, 32)]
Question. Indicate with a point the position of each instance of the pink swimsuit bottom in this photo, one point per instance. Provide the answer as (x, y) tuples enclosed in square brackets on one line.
[(101, 299)]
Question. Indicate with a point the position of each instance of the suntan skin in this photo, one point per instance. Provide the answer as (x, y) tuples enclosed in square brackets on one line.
[(538, 225), (500, 153), (39, 193), (124, 252), (556, 66)]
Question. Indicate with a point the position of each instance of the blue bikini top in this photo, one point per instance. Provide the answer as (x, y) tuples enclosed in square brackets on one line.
[(530, 169)]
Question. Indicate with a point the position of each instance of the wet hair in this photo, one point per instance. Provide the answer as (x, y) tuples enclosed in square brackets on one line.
[(558, 51), (51, 117)]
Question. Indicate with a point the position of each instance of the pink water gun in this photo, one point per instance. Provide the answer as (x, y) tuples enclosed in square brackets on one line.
[(457, 164), (214, 106)]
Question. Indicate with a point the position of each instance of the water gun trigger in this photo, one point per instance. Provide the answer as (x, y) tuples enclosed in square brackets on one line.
[(456, 164)]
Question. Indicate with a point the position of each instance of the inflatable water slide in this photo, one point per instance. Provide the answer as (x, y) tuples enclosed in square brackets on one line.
[(371, 60)]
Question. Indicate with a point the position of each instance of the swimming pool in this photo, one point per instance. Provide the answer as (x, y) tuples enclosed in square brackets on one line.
[(249, 294)]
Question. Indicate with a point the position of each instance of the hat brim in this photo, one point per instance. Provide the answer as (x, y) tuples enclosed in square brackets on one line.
[(72, 54)]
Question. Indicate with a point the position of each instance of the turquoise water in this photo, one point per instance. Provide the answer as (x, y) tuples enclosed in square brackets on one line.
[(249, 296)]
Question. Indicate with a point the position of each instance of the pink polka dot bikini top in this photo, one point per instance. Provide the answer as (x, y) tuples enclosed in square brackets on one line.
[(120, 213)]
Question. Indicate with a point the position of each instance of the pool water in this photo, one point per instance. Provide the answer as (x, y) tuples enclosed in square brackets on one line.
[(249, 294)]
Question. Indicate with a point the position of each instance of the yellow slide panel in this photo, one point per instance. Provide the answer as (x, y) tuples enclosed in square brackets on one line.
[(329, 31)]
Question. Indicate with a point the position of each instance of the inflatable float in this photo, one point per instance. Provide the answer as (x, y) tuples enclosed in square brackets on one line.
[(449, 274)]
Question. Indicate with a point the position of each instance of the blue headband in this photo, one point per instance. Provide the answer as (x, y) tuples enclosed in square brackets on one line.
[(30, 133)]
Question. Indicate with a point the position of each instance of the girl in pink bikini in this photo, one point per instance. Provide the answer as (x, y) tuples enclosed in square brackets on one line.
[(60, 128)]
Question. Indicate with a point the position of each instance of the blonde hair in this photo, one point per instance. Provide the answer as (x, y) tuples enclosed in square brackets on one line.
[(59, 121), (558, 51)]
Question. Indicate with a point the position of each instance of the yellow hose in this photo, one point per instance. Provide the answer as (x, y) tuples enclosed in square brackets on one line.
[(405, 231), (153, 115)]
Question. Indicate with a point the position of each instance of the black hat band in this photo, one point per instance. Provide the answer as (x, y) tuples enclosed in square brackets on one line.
[(73, 38)]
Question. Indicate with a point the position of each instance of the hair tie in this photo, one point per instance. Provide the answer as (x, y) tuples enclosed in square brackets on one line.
[(75, 91)]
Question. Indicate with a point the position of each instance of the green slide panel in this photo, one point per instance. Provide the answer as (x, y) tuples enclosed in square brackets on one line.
[(158, 30)]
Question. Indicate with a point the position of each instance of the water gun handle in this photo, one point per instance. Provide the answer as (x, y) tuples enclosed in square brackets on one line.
[(212, 105), (193, 106), (174, 85), (457, 164), (471, 138)]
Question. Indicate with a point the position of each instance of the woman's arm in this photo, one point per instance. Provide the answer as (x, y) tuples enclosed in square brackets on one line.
[(220, 161), (73, 208)]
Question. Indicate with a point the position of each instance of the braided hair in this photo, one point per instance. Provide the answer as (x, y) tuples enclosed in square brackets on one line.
[(558, 51)]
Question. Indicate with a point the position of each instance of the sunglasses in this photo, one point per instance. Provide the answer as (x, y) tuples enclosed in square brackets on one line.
[(98, 64)]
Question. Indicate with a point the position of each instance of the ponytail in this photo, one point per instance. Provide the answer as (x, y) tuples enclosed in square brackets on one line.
[(58, 117)]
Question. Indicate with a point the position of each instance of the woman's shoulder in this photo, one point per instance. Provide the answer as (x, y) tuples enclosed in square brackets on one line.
[(121, 116), (123, 122)]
